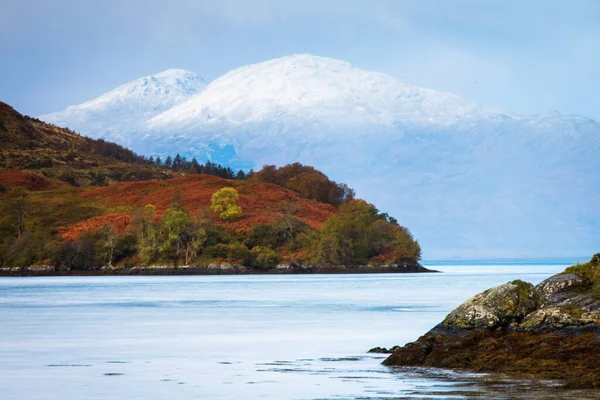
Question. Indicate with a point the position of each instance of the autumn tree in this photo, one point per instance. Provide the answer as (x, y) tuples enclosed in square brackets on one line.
[(307, 182), (267, 174), (224, 201)]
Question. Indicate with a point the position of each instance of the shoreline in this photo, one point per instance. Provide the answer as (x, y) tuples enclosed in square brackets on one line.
[(213, 269)]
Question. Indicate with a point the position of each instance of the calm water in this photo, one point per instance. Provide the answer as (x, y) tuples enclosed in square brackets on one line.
[(239, 337)]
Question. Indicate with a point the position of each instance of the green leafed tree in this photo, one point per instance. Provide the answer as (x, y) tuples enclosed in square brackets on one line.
[(358, 234), (109, 240), (224, 202), (181, 236), (405, 247), (15, 210), (148, 235)]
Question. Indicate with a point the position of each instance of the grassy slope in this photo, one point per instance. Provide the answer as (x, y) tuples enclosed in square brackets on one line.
[(589, 271), (28, 144)]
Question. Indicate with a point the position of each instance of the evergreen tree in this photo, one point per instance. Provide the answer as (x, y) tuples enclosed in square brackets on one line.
[(169, 162), (177, 163), (240, 176), (185, 164), (194, 166)]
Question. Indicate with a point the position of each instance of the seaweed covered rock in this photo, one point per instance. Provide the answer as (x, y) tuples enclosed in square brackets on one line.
[(550, 331), (382, 350)]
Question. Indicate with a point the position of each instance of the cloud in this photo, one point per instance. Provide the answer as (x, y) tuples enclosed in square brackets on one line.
[(529, 55)]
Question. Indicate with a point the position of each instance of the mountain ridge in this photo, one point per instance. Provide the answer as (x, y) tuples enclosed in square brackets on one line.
[(303, 82), (129, 104)]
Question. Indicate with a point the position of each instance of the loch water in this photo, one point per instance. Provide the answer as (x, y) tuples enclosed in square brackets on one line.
[(242, 337)]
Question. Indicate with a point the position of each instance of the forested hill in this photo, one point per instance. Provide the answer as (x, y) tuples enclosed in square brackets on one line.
[(73, 203)]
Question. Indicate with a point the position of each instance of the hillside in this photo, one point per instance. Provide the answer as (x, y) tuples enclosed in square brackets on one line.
[(71, 204), (472, 181), (172, 222), (258, 200), (58, 154)]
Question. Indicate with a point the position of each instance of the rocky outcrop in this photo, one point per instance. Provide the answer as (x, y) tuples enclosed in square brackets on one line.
[(561, 283), (497, 307), (550, 331)]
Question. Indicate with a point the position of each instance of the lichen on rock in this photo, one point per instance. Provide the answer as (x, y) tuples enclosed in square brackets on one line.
[(496, 307), (559, 284), (551, 318)]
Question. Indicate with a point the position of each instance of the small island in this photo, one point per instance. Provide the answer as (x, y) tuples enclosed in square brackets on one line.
[(549, 331), (72, 205)]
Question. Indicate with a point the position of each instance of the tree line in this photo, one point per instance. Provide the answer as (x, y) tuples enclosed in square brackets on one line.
[(182, 164), (358, 235)]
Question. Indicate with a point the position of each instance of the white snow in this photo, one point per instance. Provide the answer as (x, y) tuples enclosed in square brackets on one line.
[(317, 89), (117, 113)]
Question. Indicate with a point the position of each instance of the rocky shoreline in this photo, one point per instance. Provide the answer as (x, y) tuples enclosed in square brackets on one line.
[(214, 269), (550, 331)]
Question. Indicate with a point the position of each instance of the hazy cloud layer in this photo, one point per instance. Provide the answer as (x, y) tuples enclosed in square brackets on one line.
[(523, 56)]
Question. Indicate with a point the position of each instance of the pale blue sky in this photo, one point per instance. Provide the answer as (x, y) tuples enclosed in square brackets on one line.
[(523, 56)]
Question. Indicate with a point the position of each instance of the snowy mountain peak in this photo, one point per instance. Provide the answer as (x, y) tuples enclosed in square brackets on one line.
[(316, 89), (180, 81), (309, 60), (163, 89), (129, 105), (175, 73)]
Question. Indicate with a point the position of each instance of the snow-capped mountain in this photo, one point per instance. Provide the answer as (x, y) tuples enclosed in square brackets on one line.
[(316, 89), (125, 109), (468, 180)]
